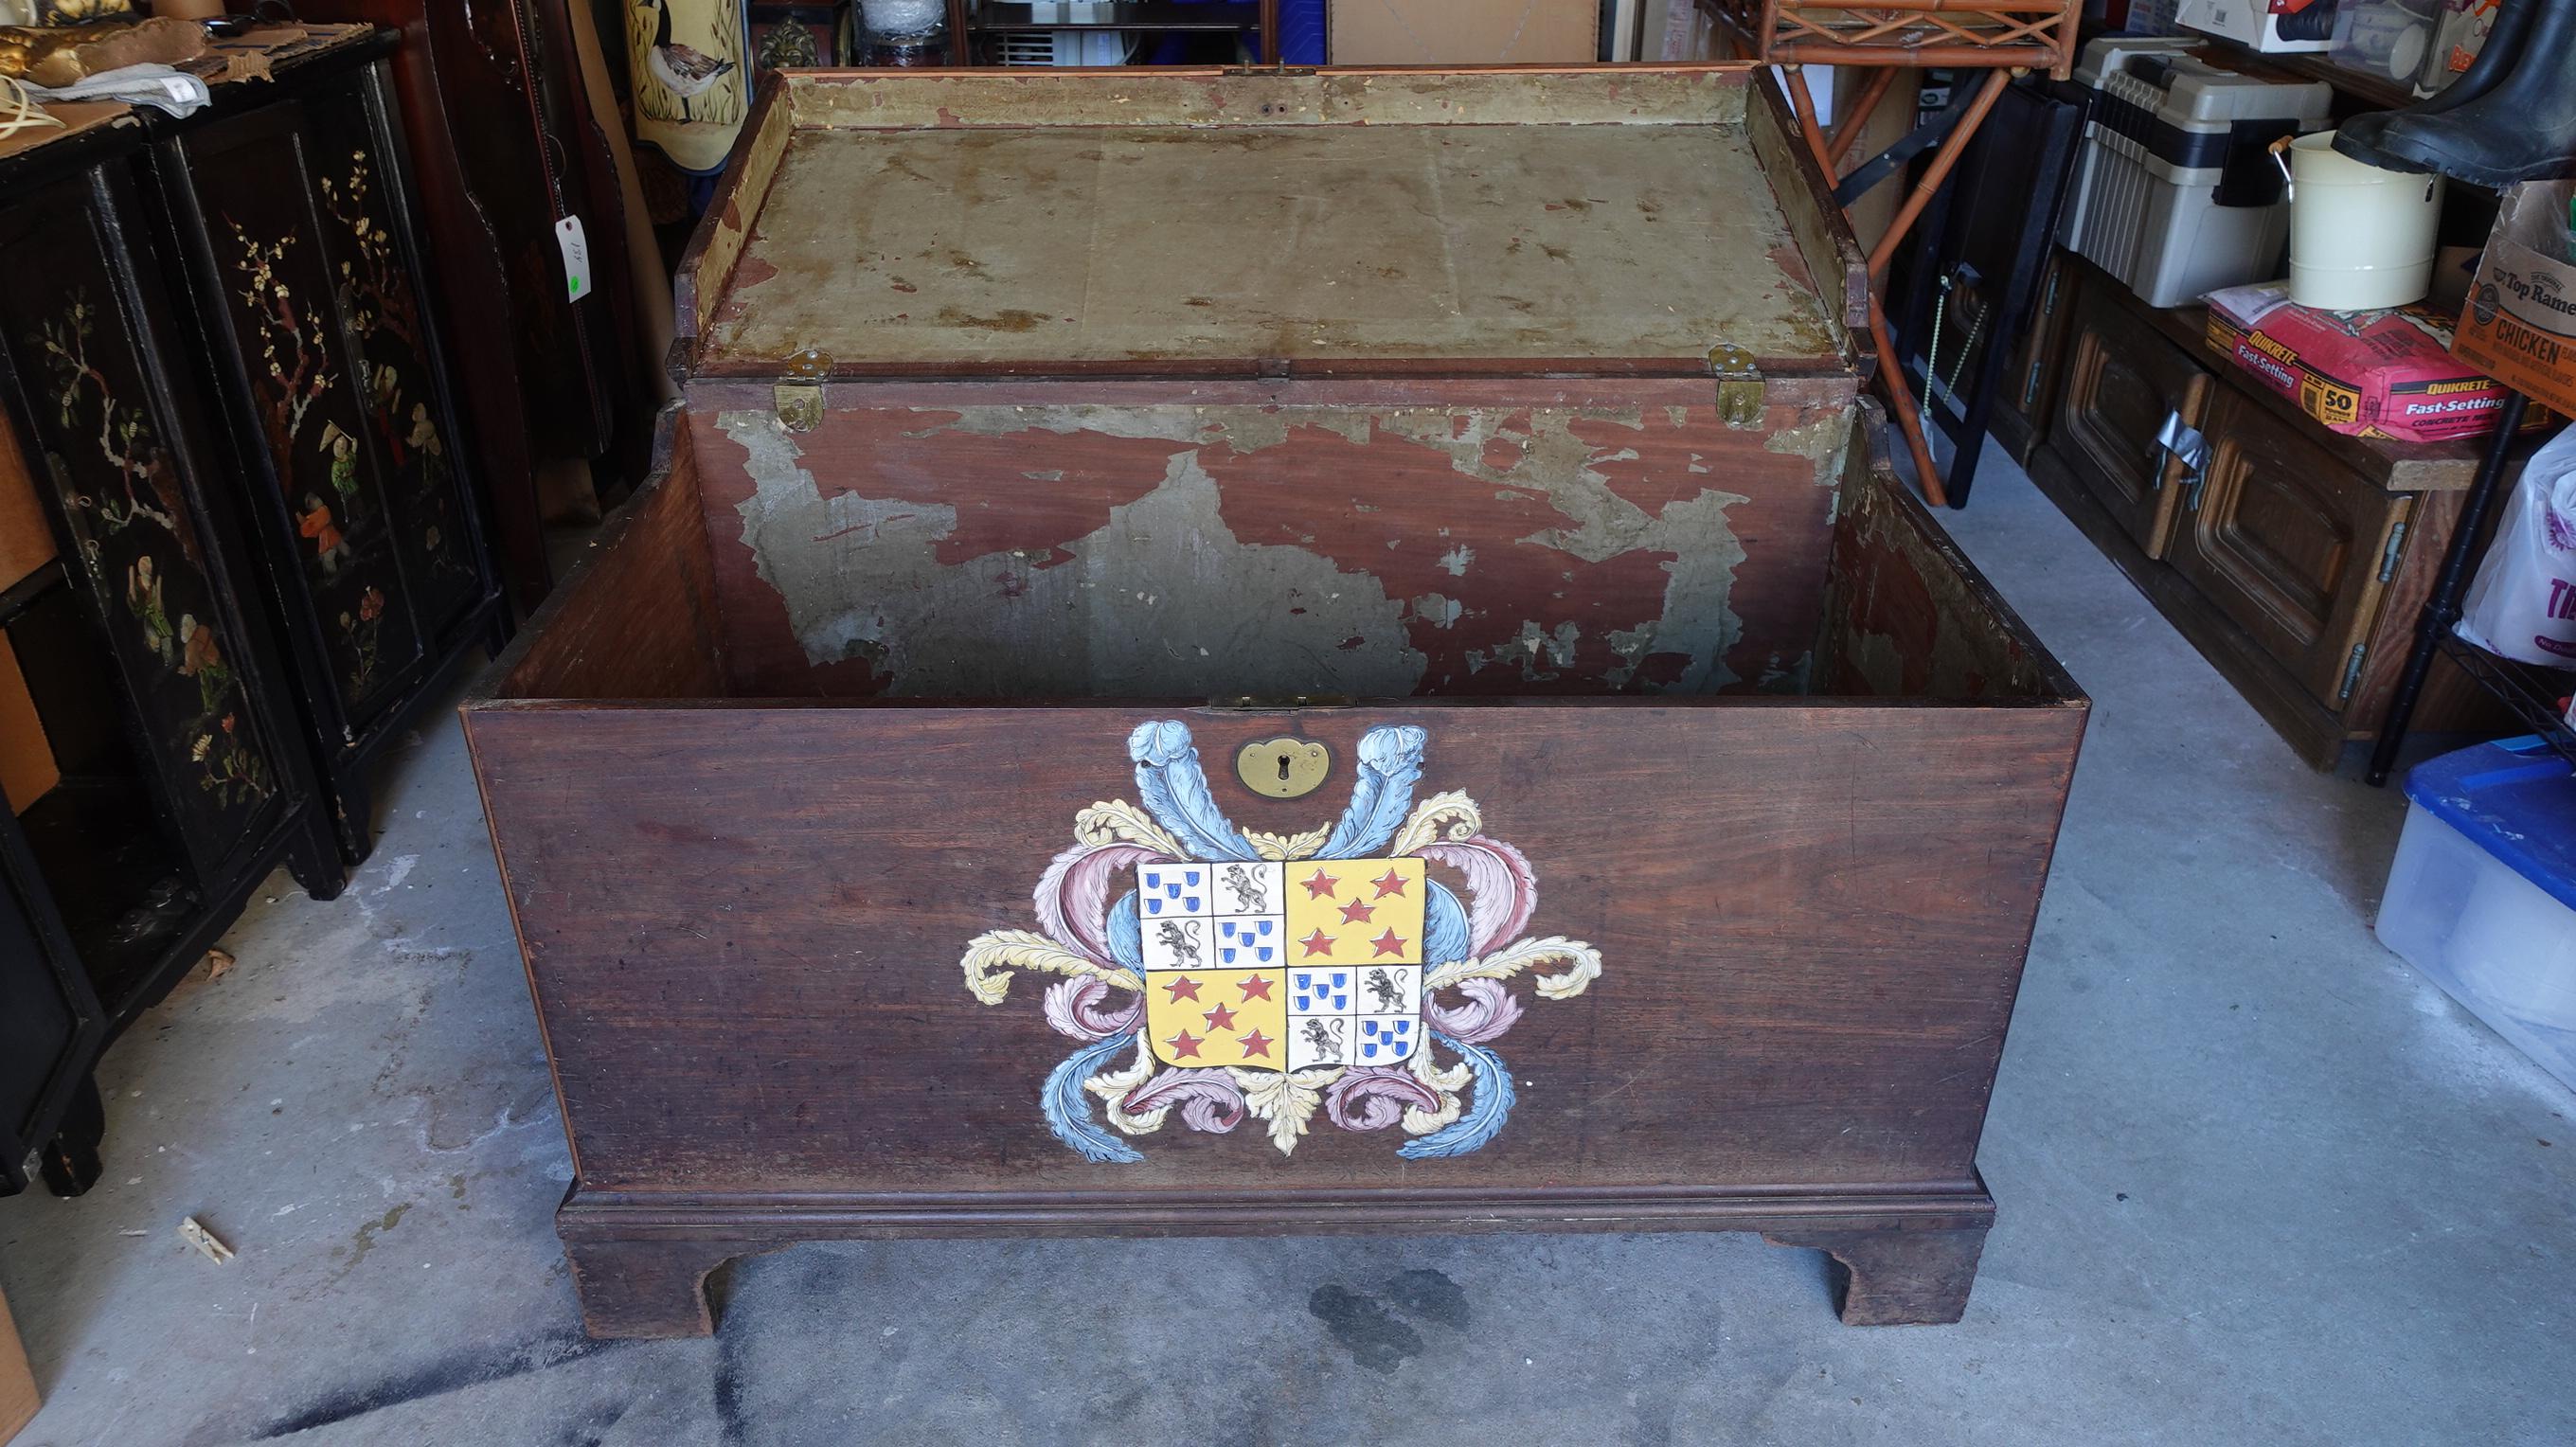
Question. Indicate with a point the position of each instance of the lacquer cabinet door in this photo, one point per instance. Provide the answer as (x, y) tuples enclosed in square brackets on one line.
[(311, 418), (2133, 402), (368, 236), (2290, 544), (81, 325)]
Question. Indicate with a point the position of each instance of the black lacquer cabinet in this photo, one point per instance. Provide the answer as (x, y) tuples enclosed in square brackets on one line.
[(243, 547)]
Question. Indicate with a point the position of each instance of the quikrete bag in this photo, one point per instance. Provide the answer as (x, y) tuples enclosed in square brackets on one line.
[(2523, 603)]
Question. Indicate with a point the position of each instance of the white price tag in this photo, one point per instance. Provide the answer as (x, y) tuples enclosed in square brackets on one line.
[(576, 257)]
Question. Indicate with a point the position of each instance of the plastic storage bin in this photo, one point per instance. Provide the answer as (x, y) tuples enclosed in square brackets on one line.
[(2482, 897), (2176, 195)]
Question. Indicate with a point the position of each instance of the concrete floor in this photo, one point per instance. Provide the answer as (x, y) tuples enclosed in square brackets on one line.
[(2259, 1183)]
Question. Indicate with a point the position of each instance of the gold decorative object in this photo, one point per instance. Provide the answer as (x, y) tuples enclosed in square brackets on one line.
[(60, 55)]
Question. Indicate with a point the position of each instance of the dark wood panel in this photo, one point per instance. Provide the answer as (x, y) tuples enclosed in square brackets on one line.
[(637, 616), (2035, 377), (1906, 616), (2289, 545), (744, 925), (2123, 383)]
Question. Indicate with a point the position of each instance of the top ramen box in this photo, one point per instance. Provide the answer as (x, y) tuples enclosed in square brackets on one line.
[(2520, 325)]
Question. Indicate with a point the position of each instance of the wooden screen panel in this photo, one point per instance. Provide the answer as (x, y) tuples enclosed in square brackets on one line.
[(745, 926)]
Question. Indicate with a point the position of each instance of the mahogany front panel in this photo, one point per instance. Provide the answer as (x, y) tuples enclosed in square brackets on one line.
[(744, 928)]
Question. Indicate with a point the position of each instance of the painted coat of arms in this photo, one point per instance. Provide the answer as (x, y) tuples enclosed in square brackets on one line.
[(1221, 973)]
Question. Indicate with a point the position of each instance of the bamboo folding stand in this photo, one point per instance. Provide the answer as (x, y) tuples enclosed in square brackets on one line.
[(2004, 37)]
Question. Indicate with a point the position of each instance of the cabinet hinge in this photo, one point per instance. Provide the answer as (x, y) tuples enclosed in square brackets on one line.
[(1271, 703), (2388, 555), (2352, 672), (798, 401), (1739, 385)]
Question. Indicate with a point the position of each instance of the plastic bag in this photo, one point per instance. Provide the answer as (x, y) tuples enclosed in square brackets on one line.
[(2523, 604)]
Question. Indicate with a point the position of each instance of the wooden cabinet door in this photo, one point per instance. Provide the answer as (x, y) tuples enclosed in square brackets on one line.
[(2037, 371), (2131, 398), (2288, 543)]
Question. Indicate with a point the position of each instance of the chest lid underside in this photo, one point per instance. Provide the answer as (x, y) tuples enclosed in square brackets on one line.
[(1262, 223)]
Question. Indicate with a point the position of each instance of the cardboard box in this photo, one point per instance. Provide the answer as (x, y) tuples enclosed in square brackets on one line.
[(1465, 32), (18, 1399), (2520, 323)]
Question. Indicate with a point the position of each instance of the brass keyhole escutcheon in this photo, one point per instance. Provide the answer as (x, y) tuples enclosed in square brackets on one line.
[(1283, 768)]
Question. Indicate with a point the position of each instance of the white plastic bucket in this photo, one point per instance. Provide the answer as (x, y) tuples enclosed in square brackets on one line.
[(2361, 238)]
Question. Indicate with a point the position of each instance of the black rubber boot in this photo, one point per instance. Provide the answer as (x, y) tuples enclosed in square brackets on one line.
[(2494, 60), (2524, 129)]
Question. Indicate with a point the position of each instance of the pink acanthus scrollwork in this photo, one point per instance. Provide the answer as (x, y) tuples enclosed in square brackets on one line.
[(1086, 905), (1376, 1097), (1209, 1100)]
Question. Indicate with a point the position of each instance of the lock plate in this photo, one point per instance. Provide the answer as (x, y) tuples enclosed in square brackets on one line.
[(1283, 768), (798, 401), (1739, 385)]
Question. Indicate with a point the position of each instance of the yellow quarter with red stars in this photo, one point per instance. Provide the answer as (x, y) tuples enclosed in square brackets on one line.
[(1220, 1017), (1355, 912)]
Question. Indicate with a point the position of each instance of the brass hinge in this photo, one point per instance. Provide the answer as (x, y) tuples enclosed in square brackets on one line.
[(2388, 555), (1739, 385), (1271, 702), (2352, 672), (799, 400)]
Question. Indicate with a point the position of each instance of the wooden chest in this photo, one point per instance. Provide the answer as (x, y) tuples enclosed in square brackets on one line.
[(1224, 652)]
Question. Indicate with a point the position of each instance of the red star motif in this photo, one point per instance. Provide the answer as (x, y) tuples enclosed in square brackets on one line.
[(1321, 886), (1255, 987), (1392, 883), (1358, 913), (1183, 988), (1317, 943), (1220, 1018), (1185, 1044), (1256, 1043), (1389, 943)]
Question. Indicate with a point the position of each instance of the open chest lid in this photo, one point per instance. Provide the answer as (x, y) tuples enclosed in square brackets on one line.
[(1612, 221)]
